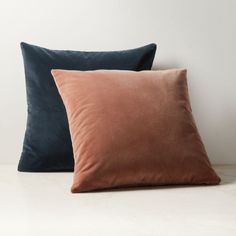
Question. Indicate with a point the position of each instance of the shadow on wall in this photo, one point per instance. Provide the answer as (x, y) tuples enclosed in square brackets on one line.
[(158, 65)]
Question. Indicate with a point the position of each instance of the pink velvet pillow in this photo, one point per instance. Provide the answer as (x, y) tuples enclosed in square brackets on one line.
[(132, 129)]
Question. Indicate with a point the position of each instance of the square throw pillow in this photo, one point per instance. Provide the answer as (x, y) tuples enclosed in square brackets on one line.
[(47, 143), (132, 129)]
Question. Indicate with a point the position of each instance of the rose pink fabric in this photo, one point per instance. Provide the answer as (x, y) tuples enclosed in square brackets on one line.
[(132, 129)]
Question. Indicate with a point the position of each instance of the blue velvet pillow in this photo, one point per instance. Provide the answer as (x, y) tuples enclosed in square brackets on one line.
[(47, 143)]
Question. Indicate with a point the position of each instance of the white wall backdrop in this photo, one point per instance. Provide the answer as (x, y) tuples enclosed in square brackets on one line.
[(198, 35)]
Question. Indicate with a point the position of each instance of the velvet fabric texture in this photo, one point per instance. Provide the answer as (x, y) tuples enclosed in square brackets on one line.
[(132, 129), (47, 143)]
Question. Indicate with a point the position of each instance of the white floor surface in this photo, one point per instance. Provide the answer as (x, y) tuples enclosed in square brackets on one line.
[(33, 204)]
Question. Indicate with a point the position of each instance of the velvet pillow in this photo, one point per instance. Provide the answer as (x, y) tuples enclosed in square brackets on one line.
[(132, 129), (47, 144)]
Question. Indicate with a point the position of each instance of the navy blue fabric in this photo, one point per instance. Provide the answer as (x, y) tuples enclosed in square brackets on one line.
[(47, 143)]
